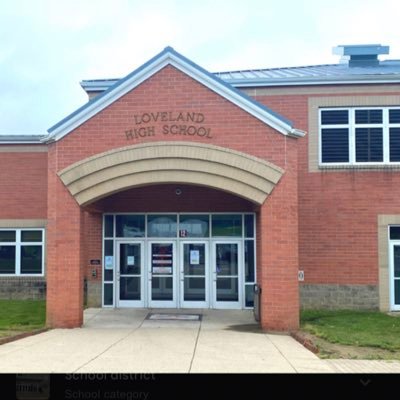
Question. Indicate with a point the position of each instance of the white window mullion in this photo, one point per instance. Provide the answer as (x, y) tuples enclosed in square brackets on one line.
[(352, 136), (18, 252), (386, 140)]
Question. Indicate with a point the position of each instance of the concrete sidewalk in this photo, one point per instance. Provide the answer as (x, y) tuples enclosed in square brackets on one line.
[(119, 341)]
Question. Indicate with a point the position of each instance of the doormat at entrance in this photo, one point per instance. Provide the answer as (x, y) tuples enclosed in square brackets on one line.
[(174, 317)]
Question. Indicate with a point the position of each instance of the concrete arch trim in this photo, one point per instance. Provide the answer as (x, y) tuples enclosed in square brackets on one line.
[(171, 162)]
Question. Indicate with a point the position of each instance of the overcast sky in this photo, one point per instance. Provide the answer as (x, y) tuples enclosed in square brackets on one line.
[(48, 46)]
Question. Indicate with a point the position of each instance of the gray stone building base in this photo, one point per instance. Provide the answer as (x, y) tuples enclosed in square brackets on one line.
[(334, 296), (92, 294), (23, 288)]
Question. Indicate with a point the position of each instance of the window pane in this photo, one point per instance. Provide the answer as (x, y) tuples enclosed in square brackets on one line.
[(109, 226), (108, 260), (335, 145), (108, 294), (162, 225), (334, 117), (162, 288), (227, 259), (227, 289), (7, 236), (194, 226), (395, 232), (7, 259), (31, 236), (369, 144), (396, 261), (249, 226), (394, 116), (194, 289), (129, 288), (394, 138), (368, 116), (130, 225), (397, 291), (226, 225), (31, 259), (249, 295), (249, 264)]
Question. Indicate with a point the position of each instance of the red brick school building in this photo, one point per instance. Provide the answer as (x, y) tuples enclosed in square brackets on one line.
[(175, 188)]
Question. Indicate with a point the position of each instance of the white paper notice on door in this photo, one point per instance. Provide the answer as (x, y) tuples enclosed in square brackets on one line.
[(194, 257), (109, 262), (130, 260)]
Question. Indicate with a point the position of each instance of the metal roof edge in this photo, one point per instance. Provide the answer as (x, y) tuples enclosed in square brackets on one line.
[(351, 79), (297, 133), (21, 139)]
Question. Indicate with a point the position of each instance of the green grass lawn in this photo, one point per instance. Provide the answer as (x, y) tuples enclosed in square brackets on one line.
[(21, 316), (355, 328)]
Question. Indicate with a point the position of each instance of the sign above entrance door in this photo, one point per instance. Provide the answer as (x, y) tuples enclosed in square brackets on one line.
[(168, 123)]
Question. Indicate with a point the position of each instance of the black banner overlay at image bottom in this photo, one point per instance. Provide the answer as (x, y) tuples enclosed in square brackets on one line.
[(125, 386)]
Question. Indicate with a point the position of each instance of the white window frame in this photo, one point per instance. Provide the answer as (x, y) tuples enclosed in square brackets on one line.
[(392, 243), (18, 244), (351, 126)]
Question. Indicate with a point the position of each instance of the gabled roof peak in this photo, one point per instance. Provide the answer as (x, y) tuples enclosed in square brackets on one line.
[(169, 56)]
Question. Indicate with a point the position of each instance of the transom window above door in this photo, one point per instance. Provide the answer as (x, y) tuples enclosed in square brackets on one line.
[(179, 225), (354, 136)]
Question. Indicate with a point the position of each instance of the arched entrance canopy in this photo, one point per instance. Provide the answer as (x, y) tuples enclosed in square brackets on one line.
[(170, 162)]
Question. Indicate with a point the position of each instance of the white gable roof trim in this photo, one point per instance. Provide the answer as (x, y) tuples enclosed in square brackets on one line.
[(170, 57)]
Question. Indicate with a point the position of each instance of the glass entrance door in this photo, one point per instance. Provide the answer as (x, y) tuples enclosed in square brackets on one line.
[(395, 275), (130, 274), (226, 274), (194, 275), (162, 274)]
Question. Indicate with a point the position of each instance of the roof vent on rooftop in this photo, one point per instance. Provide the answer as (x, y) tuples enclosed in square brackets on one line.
[(361, 55)]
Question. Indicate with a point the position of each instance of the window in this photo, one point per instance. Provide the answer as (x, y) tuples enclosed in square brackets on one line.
[(359, 135), (194, 225), (21, 251), (126, 225), (395, 233), (226, 225)]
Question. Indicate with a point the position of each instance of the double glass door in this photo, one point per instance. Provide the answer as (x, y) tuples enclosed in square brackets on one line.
[(179, 274)]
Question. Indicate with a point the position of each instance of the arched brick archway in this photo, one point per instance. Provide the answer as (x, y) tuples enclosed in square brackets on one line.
[(171, 162)]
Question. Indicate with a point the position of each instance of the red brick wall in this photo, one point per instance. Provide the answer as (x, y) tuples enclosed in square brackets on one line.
[(277, 250), (93, 236), (23, 185), (172, 91), (65, 252), (337, 210)]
